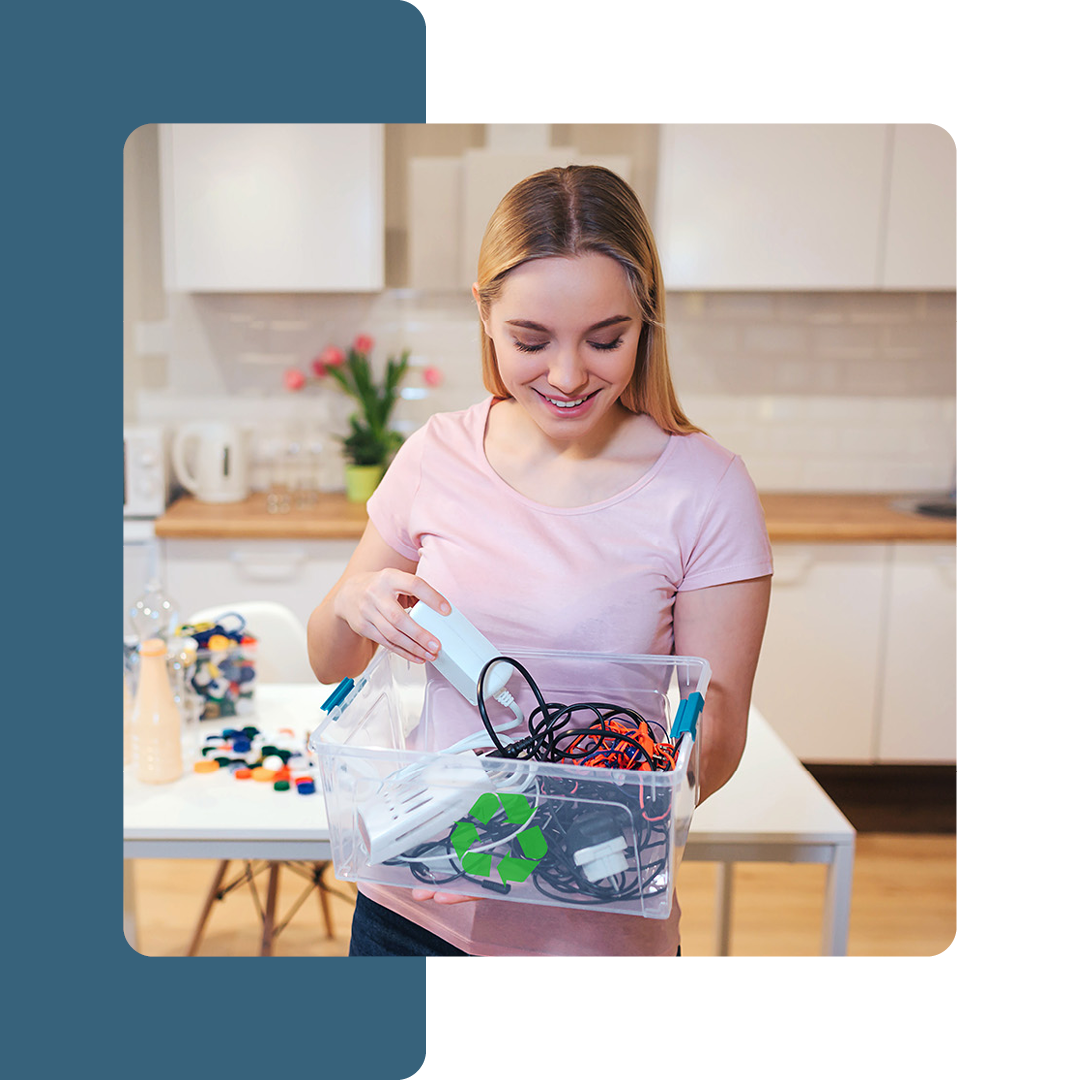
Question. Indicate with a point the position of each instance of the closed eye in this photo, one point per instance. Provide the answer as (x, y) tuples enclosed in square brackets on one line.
[(605, 346), (529, 348), (602, 346)]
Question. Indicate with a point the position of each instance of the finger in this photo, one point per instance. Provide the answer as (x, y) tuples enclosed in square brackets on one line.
[(397, 641), (418, 589), (419, 637), (442, 897)]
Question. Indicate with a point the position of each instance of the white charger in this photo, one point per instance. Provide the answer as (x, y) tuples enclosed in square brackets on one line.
[(418, 802), (464, 652)]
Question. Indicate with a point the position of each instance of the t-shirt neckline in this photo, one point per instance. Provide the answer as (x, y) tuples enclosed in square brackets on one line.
[(588, 508)]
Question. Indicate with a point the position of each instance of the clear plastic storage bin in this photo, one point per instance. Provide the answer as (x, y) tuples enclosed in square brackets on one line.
[(402, 811)]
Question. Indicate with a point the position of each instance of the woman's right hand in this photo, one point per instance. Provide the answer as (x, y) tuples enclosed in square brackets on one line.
[(375, 606)]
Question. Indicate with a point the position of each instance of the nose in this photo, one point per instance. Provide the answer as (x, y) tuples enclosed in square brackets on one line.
[(567, 372)]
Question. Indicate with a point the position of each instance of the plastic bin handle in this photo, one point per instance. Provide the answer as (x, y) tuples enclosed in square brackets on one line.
[(686, 716), (341, 692)]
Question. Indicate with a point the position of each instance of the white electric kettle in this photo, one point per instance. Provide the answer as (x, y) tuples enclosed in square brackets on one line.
[(211, 461)]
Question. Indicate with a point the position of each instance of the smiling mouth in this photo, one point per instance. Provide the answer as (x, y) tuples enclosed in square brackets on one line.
[(562, 403)]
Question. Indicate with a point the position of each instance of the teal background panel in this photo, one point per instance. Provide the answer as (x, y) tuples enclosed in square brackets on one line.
[(77, 80)]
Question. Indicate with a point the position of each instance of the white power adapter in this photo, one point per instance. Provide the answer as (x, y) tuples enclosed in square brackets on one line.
[(417, 803), (413, 806), (463, 654)]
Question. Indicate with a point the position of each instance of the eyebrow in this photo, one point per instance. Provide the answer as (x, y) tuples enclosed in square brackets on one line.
[(526, 324)]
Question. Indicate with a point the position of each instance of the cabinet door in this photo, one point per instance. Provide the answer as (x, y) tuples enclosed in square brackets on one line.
[(918, 701), (272, 207), (817, 677), (297, 573), (770, 206), (920, 231)]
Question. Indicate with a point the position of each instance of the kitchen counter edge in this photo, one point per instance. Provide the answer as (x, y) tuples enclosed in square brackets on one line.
[(796, 516)]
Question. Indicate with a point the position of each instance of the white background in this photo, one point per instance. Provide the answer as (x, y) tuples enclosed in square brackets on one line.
[(995, 78)]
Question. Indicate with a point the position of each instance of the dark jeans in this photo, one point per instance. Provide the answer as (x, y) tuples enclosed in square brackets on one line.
[(378, 931)]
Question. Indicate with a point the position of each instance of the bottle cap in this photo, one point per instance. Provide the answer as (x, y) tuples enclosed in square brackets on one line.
[(281, 785)]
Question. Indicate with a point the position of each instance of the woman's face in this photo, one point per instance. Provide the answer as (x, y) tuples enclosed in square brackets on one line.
[(565, 332)]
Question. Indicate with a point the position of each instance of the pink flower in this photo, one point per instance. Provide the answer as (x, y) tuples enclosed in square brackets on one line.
[(362, 343), (318, 368), (295, 379), (331, 356), (433, 376)]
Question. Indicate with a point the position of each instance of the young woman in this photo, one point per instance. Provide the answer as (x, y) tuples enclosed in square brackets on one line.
[(576, 508)]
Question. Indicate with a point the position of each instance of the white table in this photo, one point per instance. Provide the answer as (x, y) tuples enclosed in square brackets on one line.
[(772, 810)]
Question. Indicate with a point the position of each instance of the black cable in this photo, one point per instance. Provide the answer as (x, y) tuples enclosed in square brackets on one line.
[(548, 720)]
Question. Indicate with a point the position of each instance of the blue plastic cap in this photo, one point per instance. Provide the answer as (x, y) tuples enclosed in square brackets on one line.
[(686, 716), (340, 692)]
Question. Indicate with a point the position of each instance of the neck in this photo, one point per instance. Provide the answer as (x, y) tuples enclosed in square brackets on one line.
[(536, 442)]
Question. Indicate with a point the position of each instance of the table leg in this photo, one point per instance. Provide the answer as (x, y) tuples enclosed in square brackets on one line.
[(320, 886), (725, 878), (838, 901), (271, 906), (211, 896)]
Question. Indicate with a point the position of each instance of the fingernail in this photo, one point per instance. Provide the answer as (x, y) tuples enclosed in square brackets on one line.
[(445, 609)]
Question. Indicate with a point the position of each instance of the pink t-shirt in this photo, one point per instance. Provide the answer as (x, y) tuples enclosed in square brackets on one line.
[(599, 578)]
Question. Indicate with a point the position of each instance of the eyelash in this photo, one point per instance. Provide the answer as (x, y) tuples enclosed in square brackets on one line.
[(605, 347)]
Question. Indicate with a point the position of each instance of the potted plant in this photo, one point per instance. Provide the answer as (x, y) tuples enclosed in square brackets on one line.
[(370, 442)]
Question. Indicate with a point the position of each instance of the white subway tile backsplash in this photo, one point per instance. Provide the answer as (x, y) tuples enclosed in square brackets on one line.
[(775, 339), (828, 391)]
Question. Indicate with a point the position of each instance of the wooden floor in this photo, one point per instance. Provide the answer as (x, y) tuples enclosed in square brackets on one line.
[(903, 904)]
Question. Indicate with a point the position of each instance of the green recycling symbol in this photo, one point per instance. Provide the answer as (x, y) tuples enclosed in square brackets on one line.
[(531, 841)]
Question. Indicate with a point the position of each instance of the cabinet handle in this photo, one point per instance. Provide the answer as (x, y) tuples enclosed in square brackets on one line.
[(791, 568), (267, 566)]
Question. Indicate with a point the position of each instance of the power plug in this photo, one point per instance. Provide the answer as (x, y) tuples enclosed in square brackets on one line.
[(463, 654), (416, 805), (597, 845)]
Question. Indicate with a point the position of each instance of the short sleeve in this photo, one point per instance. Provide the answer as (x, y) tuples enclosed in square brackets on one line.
[(732, 543), (389, 508)]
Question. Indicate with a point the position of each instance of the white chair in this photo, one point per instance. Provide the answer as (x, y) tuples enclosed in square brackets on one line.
[(281, 656), (282, 649)]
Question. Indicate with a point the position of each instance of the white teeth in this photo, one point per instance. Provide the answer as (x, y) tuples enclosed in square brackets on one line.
[(565, 404)]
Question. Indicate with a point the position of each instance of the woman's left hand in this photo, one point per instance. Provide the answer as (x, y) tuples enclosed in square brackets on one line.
[(441, 897)]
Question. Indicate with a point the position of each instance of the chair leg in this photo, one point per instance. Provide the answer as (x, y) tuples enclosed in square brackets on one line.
[(320, 869), (219, 877), (271, 905)]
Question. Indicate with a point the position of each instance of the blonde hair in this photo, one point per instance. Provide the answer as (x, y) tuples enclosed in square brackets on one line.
[(573, 211)]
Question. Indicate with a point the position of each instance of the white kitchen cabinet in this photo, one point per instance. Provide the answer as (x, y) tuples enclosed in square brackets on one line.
[(858, 665), (806, 206), (769, 206), (272, 207), (816, 680), (920, 229), (918, 679), (297, 573)]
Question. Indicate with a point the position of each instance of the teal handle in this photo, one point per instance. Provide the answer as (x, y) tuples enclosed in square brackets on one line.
[(686, 716)]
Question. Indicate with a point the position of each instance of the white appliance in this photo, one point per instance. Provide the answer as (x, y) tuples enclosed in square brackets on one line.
[(148, 477), (211, 461)]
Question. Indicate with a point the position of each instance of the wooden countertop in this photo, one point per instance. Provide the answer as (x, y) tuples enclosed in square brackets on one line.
[(799, 516), (854, 518), (333, 517)]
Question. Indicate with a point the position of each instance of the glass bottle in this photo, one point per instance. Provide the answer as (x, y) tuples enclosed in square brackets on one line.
[(155, 720), (154, 615)]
